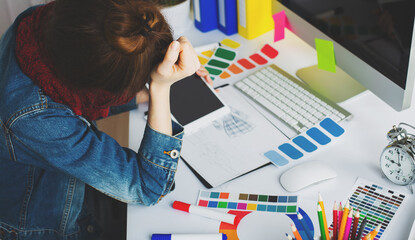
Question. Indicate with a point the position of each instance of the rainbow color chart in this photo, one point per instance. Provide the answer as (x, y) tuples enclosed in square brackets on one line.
[(379, 204), (248, 202)]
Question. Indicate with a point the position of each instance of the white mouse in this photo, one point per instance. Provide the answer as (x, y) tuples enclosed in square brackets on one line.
[(306, 174)]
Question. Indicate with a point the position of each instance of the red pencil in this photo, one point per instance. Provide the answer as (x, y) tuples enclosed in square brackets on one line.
[(335, 221), (355, 223), (340, 213)]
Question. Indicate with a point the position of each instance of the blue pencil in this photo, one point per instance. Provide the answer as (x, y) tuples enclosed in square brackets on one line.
[(305, 226)]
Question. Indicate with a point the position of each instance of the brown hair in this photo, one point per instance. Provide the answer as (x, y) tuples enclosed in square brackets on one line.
[(106, 44)]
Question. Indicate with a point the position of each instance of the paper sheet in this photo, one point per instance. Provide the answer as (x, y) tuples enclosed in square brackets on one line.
[(233, 145)]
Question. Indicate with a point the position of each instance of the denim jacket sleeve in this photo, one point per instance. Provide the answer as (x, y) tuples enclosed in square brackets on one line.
[(70, 145)]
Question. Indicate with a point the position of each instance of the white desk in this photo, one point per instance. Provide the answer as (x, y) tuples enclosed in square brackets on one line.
[(354, 154)]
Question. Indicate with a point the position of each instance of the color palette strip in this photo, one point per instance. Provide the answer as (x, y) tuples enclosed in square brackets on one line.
[(248, 202), (377, 203), (305, 143), (266, 53)]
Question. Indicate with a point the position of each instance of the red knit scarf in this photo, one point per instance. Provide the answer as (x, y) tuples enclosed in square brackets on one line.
[(92, 104)]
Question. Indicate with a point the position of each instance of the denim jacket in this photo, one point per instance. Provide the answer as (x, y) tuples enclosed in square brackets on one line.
[(48, 154)]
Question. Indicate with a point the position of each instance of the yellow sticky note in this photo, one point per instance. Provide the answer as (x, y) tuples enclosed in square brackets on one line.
[(325, 55), (202, 60), (230, 43), (208, 53)]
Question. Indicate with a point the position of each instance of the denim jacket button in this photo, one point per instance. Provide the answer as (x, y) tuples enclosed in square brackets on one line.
[(90, 228), (174, 154)]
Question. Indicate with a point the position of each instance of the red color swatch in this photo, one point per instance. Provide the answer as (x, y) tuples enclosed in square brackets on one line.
[(258, 59), (203, 203), (245, 63), (269, 51)]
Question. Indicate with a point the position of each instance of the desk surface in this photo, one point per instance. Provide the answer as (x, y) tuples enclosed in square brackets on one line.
[(355, 154)]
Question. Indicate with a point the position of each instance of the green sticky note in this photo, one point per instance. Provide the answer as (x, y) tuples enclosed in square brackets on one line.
[(325, 55), (213, 71), (217, 63), (225, 54)]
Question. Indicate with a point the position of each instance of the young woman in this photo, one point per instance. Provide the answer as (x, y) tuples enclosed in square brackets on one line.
[(62, 66)]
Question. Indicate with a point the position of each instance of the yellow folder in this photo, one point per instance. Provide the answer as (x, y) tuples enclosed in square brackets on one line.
[(254, 18)]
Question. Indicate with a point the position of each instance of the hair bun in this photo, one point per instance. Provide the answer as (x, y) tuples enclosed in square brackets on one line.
[(131, 25)]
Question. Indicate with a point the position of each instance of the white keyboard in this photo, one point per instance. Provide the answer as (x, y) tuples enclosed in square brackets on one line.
[(288, 99)]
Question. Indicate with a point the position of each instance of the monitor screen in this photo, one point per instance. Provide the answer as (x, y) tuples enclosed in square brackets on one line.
[(377, 31)]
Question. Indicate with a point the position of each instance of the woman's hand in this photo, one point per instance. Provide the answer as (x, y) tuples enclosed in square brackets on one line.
[(179, 62), (203, 73)]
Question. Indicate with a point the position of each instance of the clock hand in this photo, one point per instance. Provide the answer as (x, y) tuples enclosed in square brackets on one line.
[(399, 159)]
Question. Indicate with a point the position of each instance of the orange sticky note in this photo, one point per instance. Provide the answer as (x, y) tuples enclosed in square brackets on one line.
[(235, 69), (224, 75)]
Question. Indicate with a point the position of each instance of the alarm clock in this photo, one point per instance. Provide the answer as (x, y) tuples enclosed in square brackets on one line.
[(397, 160)]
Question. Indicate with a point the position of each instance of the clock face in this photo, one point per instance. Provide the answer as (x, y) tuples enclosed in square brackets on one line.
[(397, 165)]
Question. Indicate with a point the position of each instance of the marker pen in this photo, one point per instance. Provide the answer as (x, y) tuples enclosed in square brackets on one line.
[(214, 236), (205, 212)]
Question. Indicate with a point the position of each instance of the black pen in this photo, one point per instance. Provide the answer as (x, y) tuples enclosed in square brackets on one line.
[(222, 86)]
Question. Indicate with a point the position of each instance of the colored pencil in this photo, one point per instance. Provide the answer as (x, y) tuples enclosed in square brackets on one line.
[(295, 232), (323, 212), (339, 219), (344, 221), (289, 236), (348, 225), (361, 228), (321, 223), (355, 224), (335, 220), (375, 231), (367, 237), (305, 226)]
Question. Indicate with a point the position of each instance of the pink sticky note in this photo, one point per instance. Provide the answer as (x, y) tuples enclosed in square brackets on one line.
[(279, 25)]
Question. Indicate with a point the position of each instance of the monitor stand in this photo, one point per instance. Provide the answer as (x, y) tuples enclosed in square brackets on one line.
[(337, 87)]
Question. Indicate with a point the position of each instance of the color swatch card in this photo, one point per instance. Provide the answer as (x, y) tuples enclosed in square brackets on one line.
[(379, 204), (248, 202), (314, 138)]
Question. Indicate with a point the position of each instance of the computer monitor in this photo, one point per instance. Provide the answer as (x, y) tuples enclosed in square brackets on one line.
[(373, 42)]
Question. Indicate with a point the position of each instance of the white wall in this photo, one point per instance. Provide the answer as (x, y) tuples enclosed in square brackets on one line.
[(10, 9)]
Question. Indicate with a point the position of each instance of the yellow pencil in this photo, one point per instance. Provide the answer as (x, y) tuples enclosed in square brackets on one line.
[(326, 229), (344, 220)]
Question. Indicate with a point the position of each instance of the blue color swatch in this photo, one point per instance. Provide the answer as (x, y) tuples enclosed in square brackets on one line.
[(332, 127), (290, 151), (276, 158), (318, 136), (303, 143)]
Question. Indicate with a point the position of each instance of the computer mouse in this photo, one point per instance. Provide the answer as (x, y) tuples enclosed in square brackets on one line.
[(306, 174)]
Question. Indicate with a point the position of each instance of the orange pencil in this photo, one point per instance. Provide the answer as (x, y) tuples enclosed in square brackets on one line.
[(326, 229), (344, 221), (375, 232), (296, 233), (367, 237)]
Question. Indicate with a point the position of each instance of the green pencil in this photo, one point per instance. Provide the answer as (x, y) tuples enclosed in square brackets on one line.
[(321, 222)]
